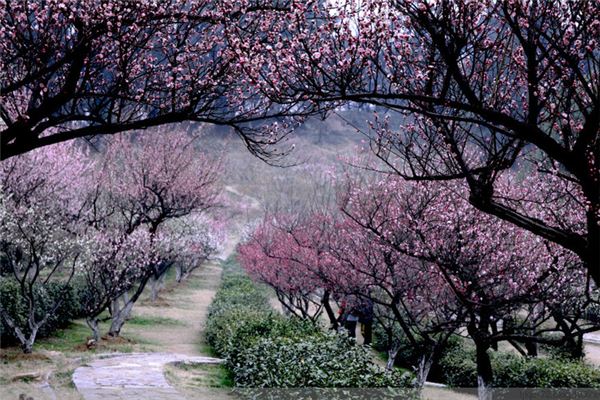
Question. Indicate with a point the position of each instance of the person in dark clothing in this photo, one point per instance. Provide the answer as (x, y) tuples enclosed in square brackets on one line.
[(350, 324), (349, 316), (366, 320)]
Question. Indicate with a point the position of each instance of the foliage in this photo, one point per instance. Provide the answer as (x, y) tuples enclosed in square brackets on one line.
[(408, 354), (266, 349), (473, 91), (511, 370), (46, 296), (240, 313), (320, 360), (592, 312), (431, 262)]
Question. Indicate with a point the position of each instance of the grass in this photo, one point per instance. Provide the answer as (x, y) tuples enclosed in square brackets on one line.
[(65, 340), (73, 338), (21, 373), (144, 320), (204, 348), (200, 375)]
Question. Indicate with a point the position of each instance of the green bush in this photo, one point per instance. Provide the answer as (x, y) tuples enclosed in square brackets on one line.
[(511, 370), (266, 349), (320, 360), (459, 368), (514, 371), (45, 298), (408, 354), (592, 312)]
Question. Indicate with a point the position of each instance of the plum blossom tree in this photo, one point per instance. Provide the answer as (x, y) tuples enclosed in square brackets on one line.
[(112, 266), (411, 299), (39, 207), (433, 265), (474, 88), (289, 254), (312, 259), (185, 244), (508, 283), (72, 68), (199, 239), (144, 183)]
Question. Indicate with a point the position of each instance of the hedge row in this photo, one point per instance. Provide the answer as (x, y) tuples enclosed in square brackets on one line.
[(45, 298), (514, 371), (265, 349), (457, 367)]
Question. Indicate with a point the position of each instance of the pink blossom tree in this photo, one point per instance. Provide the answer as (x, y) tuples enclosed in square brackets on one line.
[(433, 265), (75, 68), (411, 299), (112, 265), (144, 183), (496, 273), (198, 237), (289, 253), (312, 259), (39, 210), (472, 89)]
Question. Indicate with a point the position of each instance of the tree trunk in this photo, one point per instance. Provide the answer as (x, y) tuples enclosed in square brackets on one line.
[(330, 314), (392, 353), (27, 346), (484, 372), (93, 324), (532, 348), (120, 315), (154, 288), (178, 273), (156, 285), (425, 364), (26, 343)]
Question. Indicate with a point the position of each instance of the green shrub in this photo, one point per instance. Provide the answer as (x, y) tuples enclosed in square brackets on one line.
[(266, 349), (408, 355), (45, 298), (459, 368), (565, 351), (514, 371), (592, 312), (320, 360), (511, 370)]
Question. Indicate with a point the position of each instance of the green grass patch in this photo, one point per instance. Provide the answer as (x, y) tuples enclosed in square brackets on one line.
[(195, 282), (66, 340), (75, 336), (208, 375), (146, 320), (205, 349)]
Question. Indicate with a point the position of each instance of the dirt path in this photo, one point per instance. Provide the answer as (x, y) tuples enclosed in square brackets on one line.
[(182, 311), (173, 326), (178, 336)]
